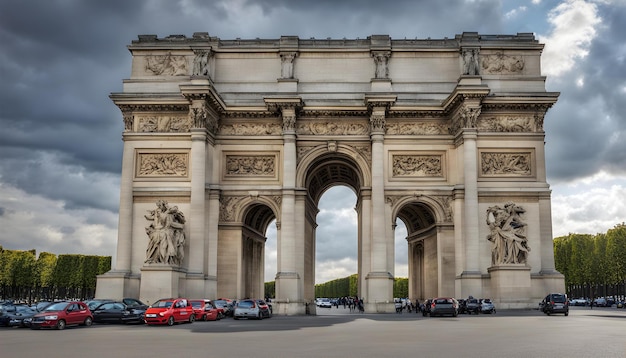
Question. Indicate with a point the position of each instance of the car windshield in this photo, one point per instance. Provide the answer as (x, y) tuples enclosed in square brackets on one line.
[(60, 306), (162, 304), (443, 300), (196, 304), (23, 309), (246, 304)]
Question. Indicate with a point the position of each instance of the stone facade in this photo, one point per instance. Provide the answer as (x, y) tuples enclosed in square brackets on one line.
[(440, 133)]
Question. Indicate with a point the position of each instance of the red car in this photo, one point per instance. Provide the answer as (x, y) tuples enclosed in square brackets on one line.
[(169, 311), (205, 310), (61, 314)]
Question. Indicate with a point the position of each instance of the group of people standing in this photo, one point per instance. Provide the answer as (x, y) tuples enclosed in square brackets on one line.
[(352, 303), (408, 305)]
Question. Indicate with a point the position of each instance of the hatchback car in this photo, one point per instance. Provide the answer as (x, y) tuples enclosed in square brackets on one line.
[(555, 303), (61, 314), (22, 317), (487, 306), (442, 306), (247, 309), (205, 310), (169, 311)]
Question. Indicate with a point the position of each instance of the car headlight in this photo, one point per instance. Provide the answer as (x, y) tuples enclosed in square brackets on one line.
[(51, 317), (161, 314)]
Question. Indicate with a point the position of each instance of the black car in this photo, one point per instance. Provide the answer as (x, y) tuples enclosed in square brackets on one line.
[(117, 312), (442, 306), (22, 316), (555, 303), (472, 305)]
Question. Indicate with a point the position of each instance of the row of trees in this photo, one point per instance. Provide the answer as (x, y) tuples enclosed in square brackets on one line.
[(26, 277), (593, 265), (347, 286)]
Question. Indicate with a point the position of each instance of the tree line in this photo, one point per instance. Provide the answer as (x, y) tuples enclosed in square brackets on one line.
[(24, 276), (593, 265)]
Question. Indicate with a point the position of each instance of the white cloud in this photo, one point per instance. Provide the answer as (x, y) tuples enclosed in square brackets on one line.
[(574, 25), (515, 12), (589, 206), (42, 224)]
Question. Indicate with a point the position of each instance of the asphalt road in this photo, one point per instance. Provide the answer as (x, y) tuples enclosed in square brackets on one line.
[(339, 333)]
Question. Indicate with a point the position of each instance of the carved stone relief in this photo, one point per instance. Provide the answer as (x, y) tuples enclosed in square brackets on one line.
[(166, 65), (162, 164), (365, 151), (507, 124), (228, 207), (301, 152), (253, 129), (507, 234), (419, 128), (259, 165), (500, 63), (332, 128), (514, 164), (417, 166), (175, 124)]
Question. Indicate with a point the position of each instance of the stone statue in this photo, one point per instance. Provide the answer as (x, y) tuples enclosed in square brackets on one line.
[(167, 239), (508, 234), (470, 62), (286, 60), (201, 63)]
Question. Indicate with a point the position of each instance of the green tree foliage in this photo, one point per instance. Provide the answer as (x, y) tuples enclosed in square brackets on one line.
[(25, 277), (348, 286), (593, 265)]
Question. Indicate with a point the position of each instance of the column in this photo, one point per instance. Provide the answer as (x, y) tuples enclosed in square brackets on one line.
[(197, 217), (125, 226), (470, 209)]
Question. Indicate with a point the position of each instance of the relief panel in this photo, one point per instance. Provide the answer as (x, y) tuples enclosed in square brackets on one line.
[(417, 165), (513, 163), (250, 166), (151, 165)]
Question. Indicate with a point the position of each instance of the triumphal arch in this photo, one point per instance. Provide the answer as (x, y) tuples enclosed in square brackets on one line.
[(224, 137)]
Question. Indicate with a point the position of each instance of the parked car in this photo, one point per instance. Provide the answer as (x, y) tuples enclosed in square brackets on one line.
[(92, 304), (555, 303), (226, 305), (324, 303), (442, 306), (487, 306), (118, 312), (62, 314), (266, 309), (579, 302), (619, 304), (205, 310), (22, 317), (169, 311), (600, 302), (472, 305), (247, 308)]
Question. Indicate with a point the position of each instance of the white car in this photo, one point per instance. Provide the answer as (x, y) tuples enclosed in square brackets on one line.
[(324, 302)]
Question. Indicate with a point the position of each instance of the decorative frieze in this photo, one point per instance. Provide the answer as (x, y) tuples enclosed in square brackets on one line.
[(175, 124), (251, 129), (506, 163), (499, 63), (410, 165), (256, 165), (166, 65), (417, 128), (332, 128), (513, 124), (154, 165)]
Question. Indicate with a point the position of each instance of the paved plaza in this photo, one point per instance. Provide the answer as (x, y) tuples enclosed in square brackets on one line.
[(339, 333)]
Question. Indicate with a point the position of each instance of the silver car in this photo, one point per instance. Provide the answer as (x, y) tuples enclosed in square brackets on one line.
[(247, 309)]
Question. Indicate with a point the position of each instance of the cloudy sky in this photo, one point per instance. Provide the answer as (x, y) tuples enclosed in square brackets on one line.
[(60, 135)]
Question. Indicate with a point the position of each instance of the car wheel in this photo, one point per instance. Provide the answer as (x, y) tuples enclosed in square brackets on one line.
[(204, 317), (170, 321), (220, 315), (60, 324), (192, 318), (88, 321)]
